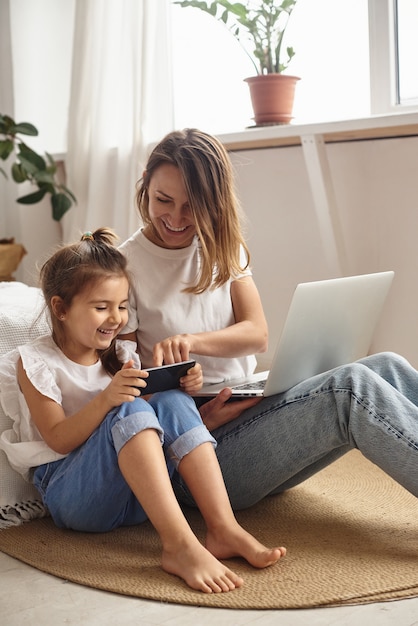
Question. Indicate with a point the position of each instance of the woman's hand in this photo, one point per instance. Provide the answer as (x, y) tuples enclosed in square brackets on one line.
[(193, 380), (219, 411), (172, 350)]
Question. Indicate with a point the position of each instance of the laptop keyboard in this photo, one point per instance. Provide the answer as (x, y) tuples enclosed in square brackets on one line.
[(259, 384)]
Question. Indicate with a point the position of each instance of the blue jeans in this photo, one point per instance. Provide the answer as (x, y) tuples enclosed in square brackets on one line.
[(371, 405), (86, 490)]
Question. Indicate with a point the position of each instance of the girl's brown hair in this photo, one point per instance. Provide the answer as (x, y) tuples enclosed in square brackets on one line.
[(72, 269), (207, 173)]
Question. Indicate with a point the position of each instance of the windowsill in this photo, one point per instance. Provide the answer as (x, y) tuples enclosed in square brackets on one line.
[(374, 127)]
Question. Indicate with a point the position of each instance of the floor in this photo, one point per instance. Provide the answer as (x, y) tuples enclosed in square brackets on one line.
[(28, 596)]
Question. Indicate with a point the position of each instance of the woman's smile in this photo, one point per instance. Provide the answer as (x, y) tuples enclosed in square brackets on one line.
[(180, 229), (169, 210)]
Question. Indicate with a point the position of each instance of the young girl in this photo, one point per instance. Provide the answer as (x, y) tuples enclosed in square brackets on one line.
[(209, 307), (100, 455)]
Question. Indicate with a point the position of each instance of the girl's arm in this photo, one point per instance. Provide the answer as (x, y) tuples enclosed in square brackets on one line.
[(248, 335), (65, 433)]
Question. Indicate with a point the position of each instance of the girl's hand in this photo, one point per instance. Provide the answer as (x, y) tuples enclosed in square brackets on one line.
[(64, 433), (126, 385), (172, 350), (193, 380)]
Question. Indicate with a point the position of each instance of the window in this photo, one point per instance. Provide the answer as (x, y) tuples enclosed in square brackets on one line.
[(406, 22), (345, 56), (210, 66), (393, 51), (354, 58)]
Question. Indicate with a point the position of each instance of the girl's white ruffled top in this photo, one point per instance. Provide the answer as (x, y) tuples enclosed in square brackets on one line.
[(69, 384)]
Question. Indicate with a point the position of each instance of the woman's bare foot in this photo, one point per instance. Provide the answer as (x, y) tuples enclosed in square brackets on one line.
[(225, 543), (199, 568)]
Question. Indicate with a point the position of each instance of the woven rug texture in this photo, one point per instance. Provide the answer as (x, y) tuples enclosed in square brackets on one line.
[(351, 534)]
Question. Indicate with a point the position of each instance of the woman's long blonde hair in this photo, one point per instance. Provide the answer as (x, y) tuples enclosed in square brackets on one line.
[(207, 174)]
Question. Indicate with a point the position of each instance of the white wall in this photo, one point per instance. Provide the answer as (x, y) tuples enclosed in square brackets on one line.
[(376, 186)]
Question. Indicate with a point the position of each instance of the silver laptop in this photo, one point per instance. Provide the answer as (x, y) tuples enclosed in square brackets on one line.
[(329, 323)]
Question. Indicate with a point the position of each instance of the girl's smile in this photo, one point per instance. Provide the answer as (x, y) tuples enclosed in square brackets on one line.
[(94, 318)]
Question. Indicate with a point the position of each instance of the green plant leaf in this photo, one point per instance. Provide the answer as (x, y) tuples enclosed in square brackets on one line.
[(33, 160), (69, 193), (24, 128), (44, 176), (6, 148), (6, 123), (52, 165), (29, 165), (18, 173), (262, 22), (32, 198), (60, 205)]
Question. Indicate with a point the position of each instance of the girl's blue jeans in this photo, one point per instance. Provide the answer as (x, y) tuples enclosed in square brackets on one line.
[(86, 490), (371, 405)]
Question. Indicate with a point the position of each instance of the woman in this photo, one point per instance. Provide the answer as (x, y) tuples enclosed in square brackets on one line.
[(197, 270)]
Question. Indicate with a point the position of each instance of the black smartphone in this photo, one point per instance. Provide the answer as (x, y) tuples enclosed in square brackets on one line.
[(165, 377)]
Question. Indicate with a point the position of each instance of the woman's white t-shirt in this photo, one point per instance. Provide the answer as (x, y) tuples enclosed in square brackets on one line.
[(159, 308)]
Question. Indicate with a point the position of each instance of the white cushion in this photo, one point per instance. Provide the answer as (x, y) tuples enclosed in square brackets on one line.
[(22, 318)]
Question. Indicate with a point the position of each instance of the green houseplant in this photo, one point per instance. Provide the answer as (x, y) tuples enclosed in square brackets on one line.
[(259, 27), (28, 165)]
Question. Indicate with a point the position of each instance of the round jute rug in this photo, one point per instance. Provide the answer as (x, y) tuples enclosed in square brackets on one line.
[(351, 534)]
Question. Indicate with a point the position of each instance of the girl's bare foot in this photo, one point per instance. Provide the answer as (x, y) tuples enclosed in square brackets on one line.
[(225, 543), (200, 569)]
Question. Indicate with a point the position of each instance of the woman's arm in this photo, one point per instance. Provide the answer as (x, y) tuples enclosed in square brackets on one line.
[(248, 335), (128, 336), (63, 434)]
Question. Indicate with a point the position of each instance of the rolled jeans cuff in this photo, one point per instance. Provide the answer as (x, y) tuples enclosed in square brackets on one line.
[(187, 442), (124, 429)]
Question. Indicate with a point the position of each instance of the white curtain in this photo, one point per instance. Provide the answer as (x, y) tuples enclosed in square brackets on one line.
[(121, 100)]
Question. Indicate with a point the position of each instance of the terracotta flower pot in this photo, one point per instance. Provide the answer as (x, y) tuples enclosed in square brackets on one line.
[(272, 97)]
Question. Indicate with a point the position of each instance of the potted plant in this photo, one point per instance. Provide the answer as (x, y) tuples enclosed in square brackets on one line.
[(28, 165), (259, 27)]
